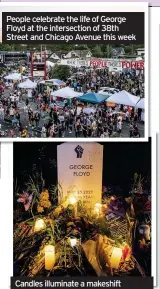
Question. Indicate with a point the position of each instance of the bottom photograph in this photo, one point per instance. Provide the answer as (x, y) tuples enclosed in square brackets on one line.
[(82, 209)]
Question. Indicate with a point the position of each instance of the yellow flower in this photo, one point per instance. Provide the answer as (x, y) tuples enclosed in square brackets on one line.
[(46, 204), (40, 209), (44, 201), (44, 195)]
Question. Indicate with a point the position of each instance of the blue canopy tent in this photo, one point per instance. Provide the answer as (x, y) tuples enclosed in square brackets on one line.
[(92, 97)]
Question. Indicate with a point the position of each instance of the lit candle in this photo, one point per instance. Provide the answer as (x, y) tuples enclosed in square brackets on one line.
[(98, 209), (49, 257), (73, 242), (73, 202), (116, 257), (39, 225)]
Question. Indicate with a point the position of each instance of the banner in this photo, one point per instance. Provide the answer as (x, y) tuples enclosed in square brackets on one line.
[(98, 63), (114, 63), (137, 65), (75, 62)]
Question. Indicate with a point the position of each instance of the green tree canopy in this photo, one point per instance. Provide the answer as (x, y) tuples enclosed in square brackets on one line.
[(97, 52), (61, 72)]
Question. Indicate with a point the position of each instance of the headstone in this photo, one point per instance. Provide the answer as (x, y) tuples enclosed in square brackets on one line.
[(80, 168)]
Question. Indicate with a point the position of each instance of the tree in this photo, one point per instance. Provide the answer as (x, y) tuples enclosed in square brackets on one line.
[(80, 47), (61, 72), (5, 47), (108, 51), (60, 47), (97, 52)]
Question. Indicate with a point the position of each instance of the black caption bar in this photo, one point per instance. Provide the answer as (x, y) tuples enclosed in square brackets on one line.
[(73, 27), (82, 282)]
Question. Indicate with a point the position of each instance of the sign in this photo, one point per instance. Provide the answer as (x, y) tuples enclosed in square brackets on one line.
[(38, 65), (114, 65), (137, 65), (75, 62), (98, 63), (37, 73), (80, 172)]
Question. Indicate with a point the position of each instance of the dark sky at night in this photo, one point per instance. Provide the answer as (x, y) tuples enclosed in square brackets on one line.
[(120, 161)]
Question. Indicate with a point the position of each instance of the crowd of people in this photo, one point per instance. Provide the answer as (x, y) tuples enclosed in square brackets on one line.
[(41, 116), (84, 80)]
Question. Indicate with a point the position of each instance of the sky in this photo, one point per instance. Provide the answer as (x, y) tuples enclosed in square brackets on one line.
[(120, 161)]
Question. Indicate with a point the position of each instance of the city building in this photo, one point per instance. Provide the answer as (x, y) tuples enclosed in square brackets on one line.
[(140, 52)]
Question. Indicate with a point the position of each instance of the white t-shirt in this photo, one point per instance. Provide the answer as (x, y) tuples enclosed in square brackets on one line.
[(11, 111), (127, 113), (119, 125), (119, 118), (43, 129), (12, 97)]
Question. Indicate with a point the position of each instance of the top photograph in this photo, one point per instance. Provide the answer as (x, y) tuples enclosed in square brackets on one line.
[(69, 90)]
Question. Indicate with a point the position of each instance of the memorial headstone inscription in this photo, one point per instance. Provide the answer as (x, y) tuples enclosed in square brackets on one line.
[(80, 168)]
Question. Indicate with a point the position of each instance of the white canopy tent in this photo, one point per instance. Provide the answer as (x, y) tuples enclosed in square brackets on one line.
[(28, 84), (124, 97), (66, 92), (140, 104), (15, 76), (56, 82)]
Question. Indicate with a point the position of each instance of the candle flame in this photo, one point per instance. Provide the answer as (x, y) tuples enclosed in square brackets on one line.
[(72, 200), (98, 209), (39, 225), (73, 242)]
